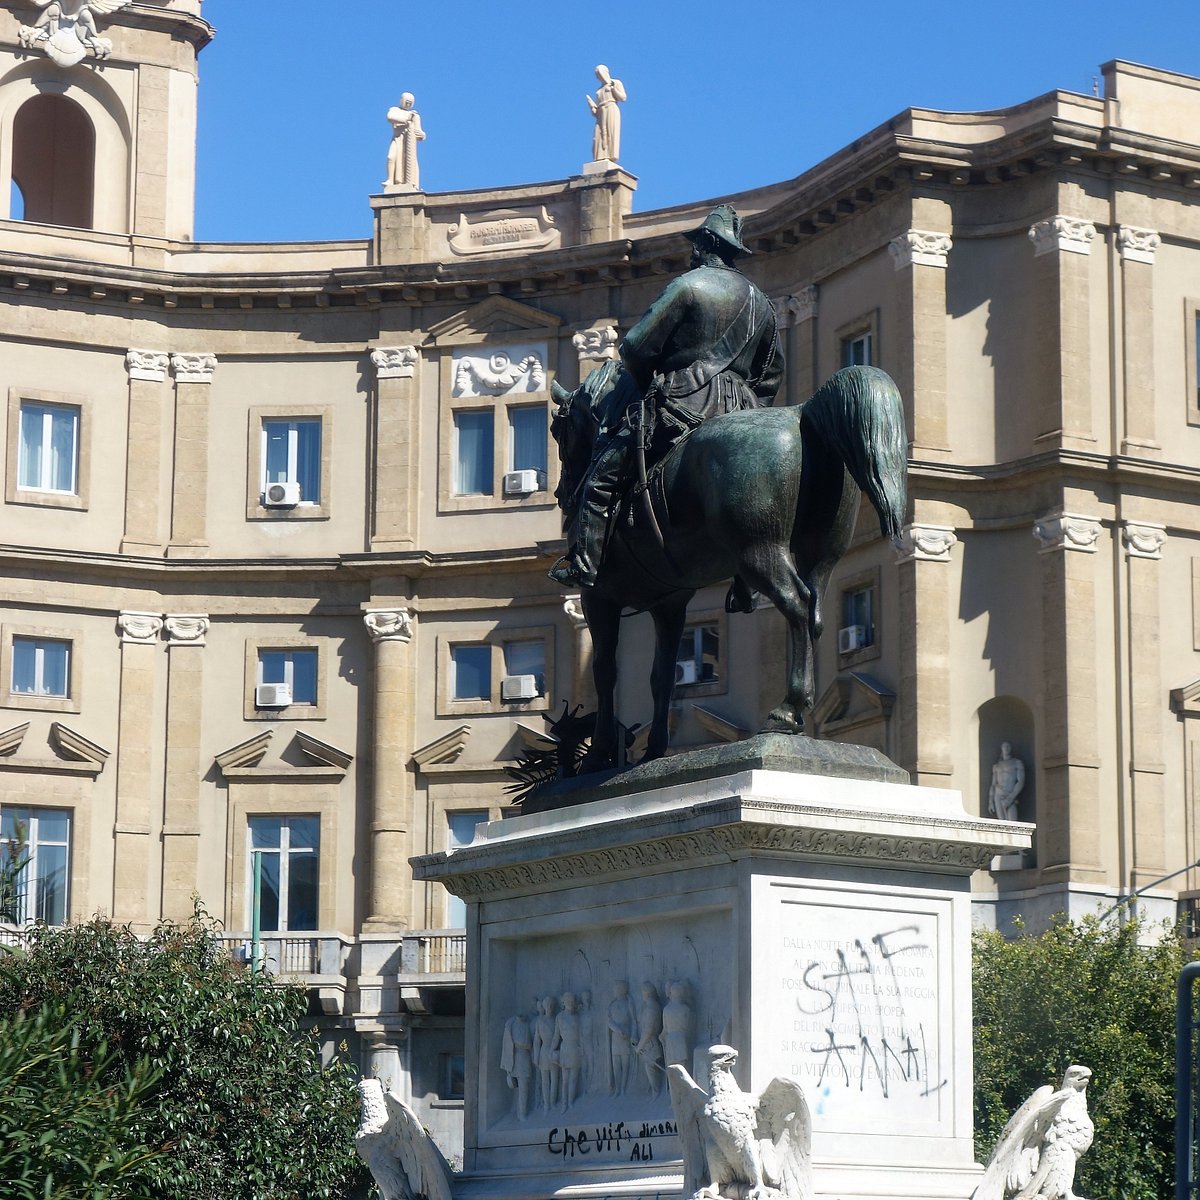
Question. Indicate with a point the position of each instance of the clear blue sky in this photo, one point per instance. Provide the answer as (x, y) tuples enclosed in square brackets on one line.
[(722, 96)]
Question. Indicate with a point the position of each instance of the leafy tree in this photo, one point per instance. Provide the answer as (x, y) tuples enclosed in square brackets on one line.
[(243, 1107), (1084, 992), (13, 856), (68, 1119)]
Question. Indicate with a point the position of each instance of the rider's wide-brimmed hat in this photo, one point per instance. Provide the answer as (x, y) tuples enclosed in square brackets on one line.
[(723, 223)]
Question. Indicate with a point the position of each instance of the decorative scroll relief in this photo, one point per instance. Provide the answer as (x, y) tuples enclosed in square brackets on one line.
[(920, 248), (505, 229), (193, 368), (499, 371), (932, 543), (1070, 234), (395, 362), (67, 32), (150, 365), (140, 628), (598, 343), (1143, 539), (1138, 245), (1067, 531), (389, 624), (190, 629)]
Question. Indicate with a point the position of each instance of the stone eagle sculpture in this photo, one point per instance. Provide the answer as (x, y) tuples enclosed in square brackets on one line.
[(1036, 1155), (403, 1158), (737, 1145)]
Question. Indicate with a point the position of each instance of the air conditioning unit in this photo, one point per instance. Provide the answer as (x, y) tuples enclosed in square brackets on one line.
[(282, 495), (685, 672), (522, 483), (272, 695), (853, 637), (519, 687)]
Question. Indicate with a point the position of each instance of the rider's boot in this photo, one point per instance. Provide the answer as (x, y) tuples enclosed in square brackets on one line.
[(578, 567)]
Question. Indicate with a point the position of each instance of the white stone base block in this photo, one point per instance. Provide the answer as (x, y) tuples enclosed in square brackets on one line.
[(821, 926)]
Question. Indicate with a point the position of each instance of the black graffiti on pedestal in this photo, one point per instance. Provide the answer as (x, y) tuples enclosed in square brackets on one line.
[(870, 1038), (635, 1143)]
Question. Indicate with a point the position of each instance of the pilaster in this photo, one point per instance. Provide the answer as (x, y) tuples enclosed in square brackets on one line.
[(927, 615), (1137, 249), (1062, 306), (189, 491), (397, 440), (139, 633), (186, 636), (391, 631), (1143, 542), (921, 257), (796, 318), (1069, 810), (143, 459)]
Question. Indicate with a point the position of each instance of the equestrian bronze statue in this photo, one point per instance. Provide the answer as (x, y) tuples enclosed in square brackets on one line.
[(675, 476)]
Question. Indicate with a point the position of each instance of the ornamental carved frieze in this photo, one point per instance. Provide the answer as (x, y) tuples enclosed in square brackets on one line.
[(920, 248), (139, 628), (395, 362), (186, 629), (1072, 235), (1138, 245), (928, 543), (389, 624), (596, 344), (148, 365), (1143, 539), (193, 368), (1067, 531)]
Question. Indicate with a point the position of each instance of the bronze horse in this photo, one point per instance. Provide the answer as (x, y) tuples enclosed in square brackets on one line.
[(769, 494)]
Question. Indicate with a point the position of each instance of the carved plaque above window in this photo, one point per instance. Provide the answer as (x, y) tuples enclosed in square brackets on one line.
[(499, 370)]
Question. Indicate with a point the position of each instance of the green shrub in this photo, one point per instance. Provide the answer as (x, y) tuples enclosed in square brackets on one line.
[(243, 1107), (1084, 992)]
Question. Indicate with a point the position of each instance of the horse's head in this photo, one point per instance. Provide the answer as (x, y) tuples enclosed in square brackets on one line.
[(576, 424)]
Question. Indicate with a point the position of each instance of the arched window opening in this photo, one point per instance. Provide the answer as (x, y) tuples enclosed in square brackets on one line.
[(16, 201), (54, 161)]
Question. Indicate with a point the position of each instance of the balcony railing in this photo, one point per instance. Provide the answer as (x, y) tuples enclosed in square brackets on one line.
[(441, 953)]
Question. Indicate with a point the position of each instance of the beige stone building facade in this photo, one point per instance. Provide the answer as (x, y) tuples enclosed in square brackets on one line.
[(278, 517)]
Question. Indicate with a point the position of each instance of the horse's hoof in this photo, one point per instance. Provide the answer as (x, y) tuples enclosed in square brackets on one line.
[(783, 720)]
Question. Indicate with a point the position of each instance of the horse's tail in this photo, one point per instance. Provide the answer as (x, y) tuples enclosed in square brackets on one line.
[(858, 412)]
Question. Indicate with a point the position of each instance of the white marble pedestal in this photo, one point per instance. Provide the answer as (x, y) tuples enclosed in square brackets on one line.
[(821, 925)]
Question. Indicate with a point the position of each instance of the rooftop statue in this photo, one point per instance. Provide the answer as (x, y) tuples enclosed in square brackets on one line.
[(606, 140), (676, 476), (67, 29), (402, 168)]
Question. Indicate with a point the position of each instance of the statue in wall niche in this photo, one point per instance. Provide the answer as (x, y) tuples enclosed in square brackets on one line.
[(1008, 778), (516, 1060), (677, 1025), (606, 139), (1036, 1156), (544, 1056), (403, 1159), (739, 1145), (67, 30), (567, 1047), (622, 1036), (403, 173), (676, 475), (650, 1027)]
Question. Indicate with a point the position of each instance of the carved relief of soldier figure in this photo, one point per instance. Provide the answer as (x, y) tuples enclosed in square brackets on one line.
[(677, 1026), (544, 1055), (516, 1060), (1008, 778), (649, 1047), (622, 1035), (568, 1048)]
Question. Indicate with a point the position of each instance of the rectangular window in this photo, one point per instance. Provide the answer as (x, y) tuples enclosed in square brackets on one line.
[(291, 453), (527, 440), (296, 668), (699, 655), (291, 861), (856, 350), (474, 442), (858, 620), (41, 667), (454, 1076), (461, 832), (48, 449), (526, 659), (471, 672), (42, 884)]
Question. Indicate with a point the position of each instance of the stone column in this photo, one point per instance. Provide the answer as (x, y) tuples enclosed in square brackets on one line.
[(1062, 307), (1069, 798), (189, 485), (139, 633), (920, 257), (1143, 542), (927, 615), (186, 634), (397, 444), (1137, 248), (797, 320), (143, 460), (388, 906)]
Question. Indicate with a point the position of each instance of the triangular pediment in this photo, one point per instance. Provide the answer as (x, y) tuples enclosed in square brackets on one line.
[(495, 316), (245, 754), (851, 700), (322, 754), (445, 749), (1186, 700), (74, 746), (10, 739), (721, 728)]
